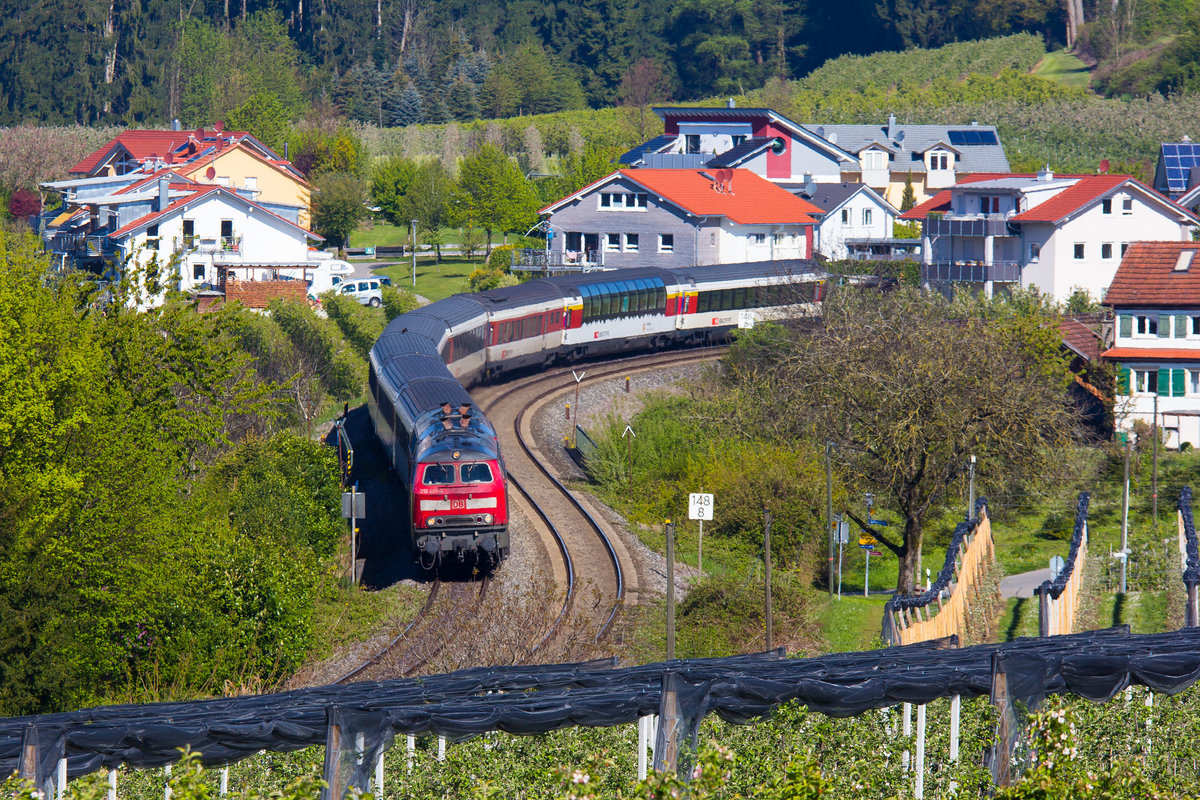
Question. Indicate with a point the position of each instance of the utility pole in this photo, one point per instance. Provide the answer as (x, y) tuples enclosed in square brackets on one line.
[(829, 508), (1125, 515), (767, 556), (670, 590), (414, 254), (1154, 472), (631, 436)]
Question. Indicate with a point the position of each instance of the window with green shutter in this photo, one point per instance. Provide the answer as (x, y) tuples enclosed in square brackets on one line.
[(1124, 380), (1181, 326), (1164, 326), (1164, 383), (1126, 326), (1178, 382)]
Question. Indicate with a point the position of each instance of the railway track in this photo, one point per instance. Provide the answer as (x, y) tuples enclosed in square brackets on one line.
[(592, 554), (589, 562)]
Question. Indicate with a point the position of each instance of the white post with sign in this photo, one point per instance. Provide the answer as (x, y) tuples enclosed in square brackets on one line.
[(700, 507)]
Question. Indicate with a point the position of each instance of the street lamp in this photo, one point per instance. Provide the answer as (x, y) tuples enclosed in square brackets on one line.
[(414, 254)]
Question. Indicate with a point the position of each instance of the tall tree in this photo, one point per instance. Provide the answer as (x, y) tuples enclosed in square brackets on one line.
[(428, 202), (338, 206), (644, 83), (908, 388), (493, 194)]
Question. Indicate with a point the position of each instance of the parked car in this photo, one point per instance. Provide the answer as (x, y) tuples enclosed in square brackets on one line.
[(384, 280), (366, 292)]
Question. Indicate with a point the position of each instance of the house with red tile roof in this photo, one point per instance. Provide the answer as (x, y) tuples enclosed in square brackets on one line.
[(234, 159), (1057, 233), (677, 217), (1155, 300), (168, 231)]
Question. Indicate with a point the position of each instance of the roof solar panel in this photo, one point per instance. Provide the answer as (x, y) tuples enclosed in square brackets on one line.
[(972, 136), (1170, 149)]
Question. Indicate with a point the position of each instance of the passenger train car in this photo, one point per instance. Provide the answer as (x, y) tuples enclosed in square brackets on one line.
[(445, 451)]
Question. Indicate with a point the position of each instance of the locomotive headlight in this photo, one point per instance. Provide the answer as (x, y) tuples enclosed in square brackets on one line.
[(487, 518)]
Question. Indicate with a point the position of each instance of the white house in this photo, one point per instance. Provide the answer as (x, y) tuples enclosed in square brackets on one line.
[(1058, 233), (174, 233), (674, 218), (852, 216), (1155, 298)]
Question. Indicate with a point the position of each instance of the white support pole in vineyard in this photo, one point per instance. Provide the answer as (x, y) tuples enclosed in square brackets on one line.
[(377, 789), (224, 789), (412, 751), (906, 732), (441, 748), (919, 785), (112, 784)]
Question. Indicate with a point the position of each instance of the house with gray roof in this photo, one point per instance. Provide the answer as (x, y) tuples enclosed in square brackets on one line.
[(932, 157), (855, 222), (884, 157)]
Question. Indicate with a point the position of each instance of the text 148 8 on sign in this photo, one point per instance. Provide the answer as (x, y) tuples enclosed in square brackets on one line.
[(700, 506)]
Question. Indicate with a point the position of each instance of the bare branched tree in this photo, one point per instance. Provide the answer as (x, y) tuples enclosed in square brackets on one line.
[(908, 387)]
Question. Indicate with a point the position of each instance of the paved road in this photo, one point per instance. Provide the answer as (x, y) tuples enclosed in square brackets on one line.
[(1023, 584)]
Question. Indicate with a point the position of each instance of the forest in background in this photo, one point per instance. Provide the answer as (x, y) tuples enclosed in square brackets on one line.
[(397, 62)]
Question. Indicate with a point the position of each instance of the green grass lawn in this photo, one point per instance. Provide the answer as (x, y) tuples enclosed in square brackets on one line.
[(852, 622), (1064, 68), (434, 281), (384, 234)]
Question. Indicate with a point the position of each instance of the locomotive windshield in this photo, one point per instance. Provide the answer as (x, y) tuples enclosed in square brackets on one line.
[(438, 475), (476, 473)]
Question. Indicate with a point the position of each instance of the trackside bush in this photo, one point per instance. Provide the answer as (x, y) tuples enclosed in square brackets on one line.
[(680, 448)]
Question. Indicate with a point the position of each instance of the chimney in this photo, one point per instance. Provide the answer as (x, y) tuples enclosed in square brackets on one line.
[(1046, 174), (175, 126), (730, 103), (891, 128), (164, 192)]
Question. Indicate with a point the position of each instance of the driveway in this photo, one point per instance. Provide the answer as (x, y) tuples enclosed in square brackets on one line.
[(1023, 584)]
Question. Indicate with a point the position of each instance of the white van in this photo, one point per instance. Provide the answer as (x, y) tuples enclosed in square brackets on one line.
[(367, 291)]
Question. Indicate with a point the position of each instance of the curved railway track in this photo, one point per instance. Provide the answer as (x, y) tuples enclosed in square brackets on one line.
[(586, 552)]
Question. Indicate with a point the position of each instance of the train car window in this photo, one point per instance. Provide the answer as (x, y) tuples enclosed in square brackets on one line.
[(702, 301), (476, 473), (642, 301), (625, 301), (438, 475), (660, 296), (588, 302), (606, 301), (739, 298)]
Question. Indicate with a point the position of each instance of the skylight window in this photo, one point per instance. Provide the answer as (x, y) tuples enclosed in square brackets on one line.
[(1184, 262)]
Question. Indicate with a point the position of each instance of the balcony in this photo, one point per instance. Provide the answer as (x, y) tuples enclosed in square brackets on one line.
[(884, 249), (972, 271), (532, 260), (974, 225)]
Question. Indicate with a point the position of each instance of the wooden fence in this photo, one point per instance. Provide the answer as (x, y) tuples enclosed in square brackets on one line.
[(1189, 556), (969, 562), (1059, 598)]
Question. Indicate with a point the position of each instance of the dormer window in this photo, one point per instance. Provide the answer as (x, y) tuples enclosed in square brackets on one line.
[(989, 205), (873, 159), (691, 143), (940, 159)]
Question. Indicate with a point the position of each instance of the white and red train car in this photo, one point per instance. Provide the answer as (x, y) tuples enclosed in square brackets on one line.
[(445, 451)]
